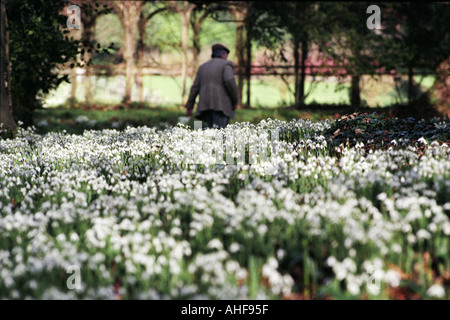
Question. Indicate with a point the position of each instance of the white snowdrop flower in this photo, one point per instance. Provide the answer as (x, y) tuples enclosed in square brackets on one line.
[(174, 267), (74, 237), (232, 266), (8, 281), (262, 229), (176, 231), (235, 247), (331, 261), (187, 251), (18, 258), (157, 244), (393, 278), (19, 270), (268, 269), (15, 294), (241, 274), (396, 248), (170, 242), (432, 227), (177, 252), (422, 140), (61, 237), (382, 196), (352, 252), (192, 268), (353, 287), (162, 260), (288, 283), (340, 271), (272, 263), (436, 291), (33, 284), (348, 243), (215, 244), (349, 265), (406, 228), (281, 253), (446, 228), (130, 267), (145, 225), (411, 239), (373, 289), (127, 225), (423, 234)]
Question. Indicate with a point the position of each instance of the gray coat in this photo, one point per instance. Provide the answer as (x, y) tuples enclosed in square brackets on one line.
[(216, 86)]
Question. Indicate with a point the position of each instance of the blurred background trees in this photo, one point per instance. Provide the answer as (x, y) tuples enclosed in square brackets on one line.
[(128, 48)]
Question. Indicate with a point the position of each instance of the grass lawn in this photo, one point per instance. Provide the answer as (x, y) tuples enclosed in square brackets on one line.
[(267, 92)]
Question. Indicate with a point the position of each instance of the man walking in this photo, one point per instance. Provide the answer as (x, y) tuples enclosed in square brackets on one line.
[(217, 90)]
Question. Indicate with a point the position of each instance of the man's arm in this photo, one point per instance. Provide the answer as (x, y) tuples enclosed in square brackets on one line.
[(195, 89), (230, 84)]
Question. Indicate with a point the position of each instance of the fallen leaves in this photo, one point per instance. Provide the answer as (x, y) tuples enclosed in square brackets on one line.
[(378, 131)]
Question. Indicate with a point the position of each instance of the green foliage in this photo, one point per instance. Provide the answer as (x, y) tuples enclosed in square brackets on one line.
[(37, 46), (109, 29), (415, 35), (164, 32)]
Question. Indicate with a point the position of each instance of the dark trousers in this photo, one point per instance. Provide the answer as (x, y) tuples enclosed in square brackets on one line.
[(215, 119)]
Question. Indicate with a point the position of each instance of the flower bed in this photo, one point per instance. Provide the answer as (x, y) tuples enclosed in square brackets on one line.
[(151, 214)]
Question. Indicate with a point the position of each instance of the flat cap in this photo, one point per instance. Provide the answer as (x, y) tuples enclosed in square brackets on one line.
[(219, 46)]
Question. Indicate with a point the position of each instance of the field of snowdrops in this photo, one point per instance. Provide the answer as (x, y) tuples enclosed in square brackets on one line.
[(354, 208)]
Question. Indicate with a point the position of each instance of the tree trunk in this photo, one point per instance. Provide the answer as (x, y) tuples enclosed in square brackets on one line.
[(355, 92), (6, 118), (73, 86), (303, 72), (185, 20), (140, 50), (129, 13), (248, 61), (239, 16), (296, 70), (88, 22), (196, 26), (196, 44), (411, 90)]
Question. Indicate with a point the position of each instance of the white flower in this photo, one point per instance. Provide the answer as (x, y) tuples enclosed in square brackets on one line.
[(74, 237), (393, 278), (262, 229), (340, 271), (373, 289), (436, 291), (396, 248), (232, 266), (235, 247), (422, 140), (331, 261), (423, 234), (353, 288), (215, 244), (61, 237), (349, 265)]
